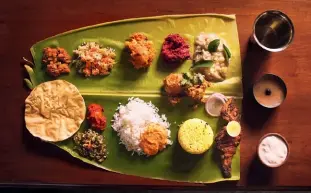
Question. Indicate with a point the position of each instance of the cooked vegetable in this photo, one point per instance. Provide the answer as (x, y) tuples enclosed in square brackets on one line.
[(210, 57), (91, 145), (93, 60), (141, 49), (57, 61)]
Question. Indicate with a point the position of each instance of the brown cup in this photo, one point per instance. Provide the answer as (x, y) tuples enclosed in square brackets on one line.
[(283, 139), (274, 78)]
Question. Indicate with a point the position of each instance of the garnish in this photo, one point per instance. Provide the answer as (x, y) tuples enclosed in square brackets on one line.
[(227, 51), (206, 63), (213, 45)]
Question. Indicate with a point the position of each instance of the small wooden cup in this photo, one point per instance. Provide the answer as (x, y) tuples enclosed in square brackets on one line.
[(283, 139)]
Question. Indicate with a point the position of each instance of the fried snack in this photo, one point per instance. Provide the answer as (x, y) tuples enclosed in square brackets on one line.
[(226, 145), (154, 139), (142, 50), (57, 61), (197, 91), (173, 88), (54, 110), (230, 111)]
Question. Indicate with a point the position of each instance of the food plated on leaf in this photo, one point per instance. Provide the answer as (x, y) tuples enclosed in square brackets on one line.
[(57, 61), (141, 129), (91, 59), (211, 57), (192, 85), (141, 50), (195, 136), (175, 49), (125, 133), (54, 110)]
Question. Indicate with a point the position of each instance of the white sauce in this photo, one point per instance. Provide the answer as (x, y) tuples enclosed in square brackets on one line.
[(272, 151)]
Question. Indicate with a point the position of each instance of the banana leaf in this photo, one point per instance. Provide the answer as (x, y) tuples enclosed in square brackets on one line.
[(125, 81)]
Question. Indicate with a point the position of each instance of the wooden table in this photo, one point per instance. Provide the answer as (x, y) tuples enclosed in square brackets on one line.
[(27, 160)]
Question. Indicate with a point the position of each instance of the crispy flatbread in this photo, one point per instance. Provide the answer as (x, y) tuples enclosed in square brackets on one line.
[(54, 110)]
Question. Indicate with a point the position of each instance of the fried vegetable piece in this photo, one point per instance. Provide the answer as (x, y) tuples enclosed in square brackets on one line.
[(230, 111), (173, 88), (141, 49), (226, 146), (95, 117), (195, 86), (57, 61), (154, 139), (191, 84)]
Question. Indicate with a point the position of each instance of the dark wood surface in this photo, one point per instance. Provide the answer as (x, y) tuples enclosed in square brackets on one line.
[(24, 159)]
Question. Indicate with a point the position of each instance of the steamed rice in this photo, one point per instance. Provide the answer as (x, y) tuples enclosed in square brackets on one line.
[(132, 119)]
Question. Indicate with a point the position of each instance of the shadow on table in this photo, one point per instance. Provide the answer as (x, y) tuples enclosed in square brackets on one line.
[(253, 64), (258, 174), (35, 146)]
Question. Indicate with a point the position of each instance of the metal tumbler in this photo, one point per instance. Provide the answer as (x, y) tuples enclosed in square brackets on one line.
[(273, 31)]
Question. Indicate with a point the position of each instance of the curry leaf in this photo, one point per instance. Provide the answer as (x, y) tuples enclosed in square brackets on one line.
[(206, 63), (213, 45), (226, 56), (227, 51), (28, 83)]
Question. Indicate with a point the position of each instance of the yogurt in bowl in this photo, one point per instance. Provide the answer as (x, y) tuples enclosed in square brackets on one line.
[(273, 150)]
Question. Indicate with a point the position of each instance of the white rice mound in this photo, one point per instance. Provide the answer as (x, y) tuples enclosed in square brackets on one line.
[(131, 120)]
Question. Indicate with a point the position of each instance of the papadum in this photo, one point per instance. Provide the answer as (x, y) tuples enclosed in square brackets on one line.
[(54, 110)]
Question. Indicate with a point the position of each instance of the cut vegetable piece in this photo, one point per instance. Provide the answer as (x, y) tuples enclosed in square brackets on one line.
[(214, 104), (233, 128)]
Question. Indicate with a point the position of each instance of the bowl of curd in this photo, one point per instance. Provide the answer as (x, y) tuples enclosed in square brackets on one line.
[(273, 150)]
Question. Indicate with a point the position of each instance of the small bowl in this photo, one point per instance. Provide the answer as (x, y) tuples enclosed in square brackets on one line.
[(275, 78), (284, 140)]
